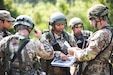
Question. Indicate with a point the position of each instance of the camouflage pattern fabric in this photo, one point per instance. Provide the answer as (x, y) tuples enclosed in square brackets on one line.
[(51, 70), (2, 34), (97, 42), (48, 37), (83, 39), (34, 49), (82, 42)]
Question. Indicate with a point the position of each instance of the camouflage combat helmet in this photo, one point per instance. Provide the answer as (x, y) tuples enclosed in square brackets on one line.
[(23, 22), (57, 18), (75, 21), (97, 10)]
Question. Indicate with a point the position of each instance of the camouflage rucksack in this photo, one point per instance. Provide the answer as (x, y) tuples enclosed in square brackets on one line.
[(7, 60), (7, 65)]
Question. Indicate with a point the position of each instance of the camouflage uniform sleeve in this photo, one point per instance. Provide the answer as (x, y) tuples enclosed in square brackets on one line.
[(98, 41), (45, 40), (3, 44), (72, 41), (1, 35), (45, 50)]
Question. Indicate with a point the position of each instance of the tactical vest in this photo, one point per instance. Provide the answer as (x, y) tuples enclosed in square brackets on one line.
[(46, 64), (54, 43)]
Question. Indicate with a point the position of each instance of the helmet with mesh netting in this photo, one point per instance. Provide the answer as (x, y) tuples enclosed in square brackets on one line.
[(23, 22), (97, 10)]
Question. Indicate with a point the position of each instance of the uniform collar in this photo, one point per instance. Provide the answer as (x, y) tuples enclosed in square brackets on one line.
[(22, 34), (58, 36), (105, 26)]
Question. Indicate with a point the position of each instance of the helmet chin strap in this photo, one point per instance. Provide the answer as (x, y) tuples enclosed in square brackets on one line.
[(29, 30), (95, 21), (54, 30), (53, 27)]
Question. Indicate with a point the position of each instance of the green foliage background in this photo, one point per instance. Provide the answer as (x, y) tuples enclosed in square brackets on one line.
[(41, 10)]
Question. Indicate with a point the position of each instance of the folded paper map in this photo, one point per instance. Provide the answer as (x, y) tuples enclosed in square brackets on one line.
[(61, 63)]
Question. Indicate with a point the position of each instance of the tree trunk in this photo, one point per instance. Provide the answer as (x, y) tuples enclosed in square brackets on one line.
[(2, 4)]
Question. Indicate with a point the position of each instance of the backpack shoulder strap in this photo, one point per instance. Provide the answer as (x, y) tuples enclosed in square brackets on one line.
[(8, 60), (66, 36)]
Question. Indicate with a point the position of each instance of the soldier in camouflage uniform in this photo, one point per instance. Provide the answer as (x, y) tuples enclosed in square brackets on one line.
[(19, 51), (5, 23), (60, 40), (95, 57), (80, 36)]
